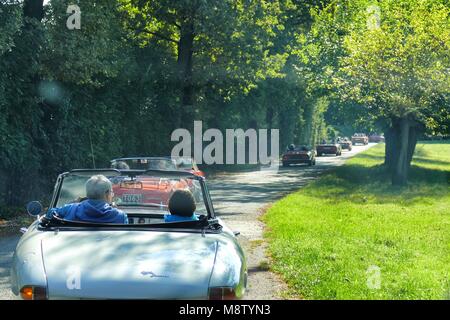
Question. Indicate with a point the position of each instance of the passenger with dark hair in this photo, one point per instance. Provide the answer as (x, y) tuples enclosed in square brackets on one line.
[(181, 207)]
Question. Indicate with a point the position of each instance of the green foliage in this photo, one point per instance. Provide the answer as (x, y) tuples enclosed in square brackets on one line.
[(75, 98), (88, 56), (395, 68), (78, 98), (405, 60), (10, 22)]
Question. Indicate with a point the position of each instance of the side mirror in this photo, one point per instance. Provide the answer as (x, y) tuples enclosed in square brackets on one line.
[(34, 208)]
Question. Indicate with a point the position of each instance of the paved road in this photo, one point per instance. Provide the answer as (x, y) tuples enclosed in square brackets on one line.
[(7, 246), (239, 198)]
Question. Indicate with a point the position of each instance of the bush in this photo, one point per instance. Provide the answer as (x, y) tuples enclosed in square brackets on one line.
[(8, 213)]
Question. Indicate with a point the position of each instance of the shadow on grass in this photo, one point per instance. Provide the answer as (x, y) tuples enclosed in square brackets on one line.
[(423, 160)]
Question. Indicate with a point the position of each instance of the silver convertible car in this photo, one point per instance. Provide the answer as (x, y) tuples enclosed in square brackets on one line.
[(145, 259)]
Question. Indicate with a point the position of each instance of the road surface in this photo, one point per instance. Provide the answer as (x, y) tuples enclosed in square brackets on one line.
[(239, 199)]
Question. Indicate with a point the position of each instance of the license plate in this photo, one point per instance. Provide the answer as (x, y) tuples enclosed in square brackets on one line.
[(132, 198)]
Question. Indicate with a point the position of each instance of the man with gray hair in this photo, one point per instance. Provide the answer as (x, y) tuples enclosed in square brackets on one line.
[(97, 207)]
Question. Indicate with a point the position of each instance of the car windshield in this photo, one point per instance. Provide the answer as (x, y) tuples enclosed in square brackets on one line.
[(184, 163), (301, 148), (144, 190), (144, 164)]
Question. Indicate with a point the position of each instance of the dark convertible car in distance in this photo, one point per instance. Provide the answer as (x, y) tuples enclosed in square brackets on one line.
[(329, 148), (376, 138), (346, 144)]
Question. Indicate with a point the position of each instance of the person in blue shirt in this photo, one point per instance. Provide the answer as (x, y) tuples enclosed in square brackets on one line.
[(97, 207), (181, 207)]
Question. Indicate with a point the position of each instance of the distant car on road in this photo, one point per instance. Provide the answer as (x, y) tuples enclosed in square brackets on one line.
[(376, 138), (346, 144), (329, 148), (147, 258), (360, 138), (297, 155)]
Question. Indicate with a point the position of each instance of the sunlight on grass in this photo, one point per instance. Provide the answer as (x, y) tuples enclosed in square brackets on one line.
[(326, 238)]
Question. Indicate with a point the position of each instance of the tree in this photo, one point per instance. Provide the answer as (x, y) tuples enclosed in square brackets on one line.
[(217, 44), (397, 68), (135, 71)]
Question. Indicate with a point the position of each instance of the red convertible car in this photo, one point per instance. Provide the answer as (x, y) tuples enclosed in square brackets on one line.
[(299, 154), (155, 191), (360, 138)]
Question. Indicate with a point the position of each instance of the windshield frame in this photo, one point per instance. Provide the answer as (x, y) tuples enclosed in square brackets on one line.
[(168, 159), (133, 173)]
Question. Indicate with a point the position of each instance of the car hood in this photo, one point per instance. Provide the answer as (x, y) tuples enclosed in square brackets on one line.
[(128, 264)]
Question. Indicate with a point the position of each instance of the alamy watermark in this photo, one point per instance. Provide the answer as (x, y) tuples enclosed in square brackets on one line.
[(229, 150), (373, 274), (73, 280), (74, 20), (373, 17)]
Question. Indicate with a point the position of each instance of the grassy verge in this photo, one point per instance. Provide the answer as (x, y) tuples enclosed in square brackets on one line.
[(351, 235)]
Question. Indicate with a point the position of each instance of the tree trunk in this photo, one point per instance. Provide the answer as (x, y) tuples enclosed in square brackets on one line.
[(185, 51), (412, 142), (308, 115), (392, 146), (285, 118), (269, 121), (389, 137), (33, 9), (400, 173)]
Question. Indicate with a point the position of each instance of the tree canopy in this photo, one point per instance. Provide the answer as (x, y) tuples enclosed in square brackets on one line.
[(136, 70)]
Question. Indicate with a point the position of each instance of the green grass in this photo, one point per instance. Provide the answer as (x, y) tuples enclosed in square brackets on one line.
[(327, 238)]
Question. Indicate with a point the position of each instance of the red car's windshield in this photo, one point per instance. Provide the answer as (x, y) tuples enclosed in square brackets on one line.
[(144, 164)]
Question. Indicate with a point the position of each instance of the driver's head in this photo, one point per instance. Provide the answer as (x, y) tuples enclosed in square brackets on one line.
[(121, 165), (157, 164), (99, 188), (182, 203)]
